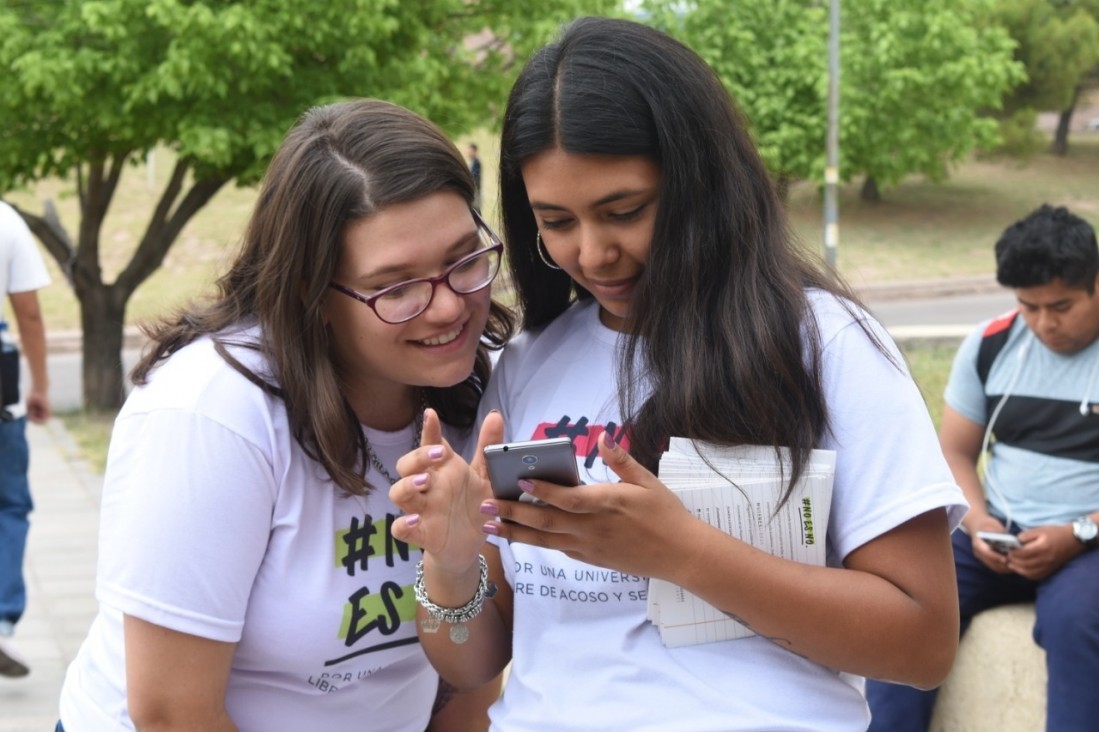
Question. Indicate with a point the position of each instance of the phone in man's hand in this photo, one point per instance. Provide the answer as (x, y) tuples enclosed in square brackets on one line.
[(1000, 542), (552, 460)]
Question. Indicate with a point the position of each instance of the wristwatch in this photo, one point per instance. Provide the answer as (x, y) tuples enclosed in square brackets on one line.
[(1086, 532)]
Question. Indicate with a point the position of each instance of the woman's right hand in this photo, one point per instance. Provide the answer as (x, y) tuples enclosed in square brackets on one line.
[(441, 496)]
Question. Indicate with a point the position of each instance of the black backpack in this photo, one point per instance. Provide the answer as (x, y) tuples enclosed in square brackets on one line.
[(992, 342)]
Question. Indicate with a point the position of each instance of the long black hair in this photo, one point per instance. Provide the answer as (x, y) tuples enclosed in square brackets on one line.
[(720, 317)]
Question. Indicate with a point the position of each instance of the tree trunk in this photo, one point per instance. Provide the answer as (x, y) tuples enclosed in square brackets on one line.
[(1060, 137), (870, 190), (102, 313), (103, 306)]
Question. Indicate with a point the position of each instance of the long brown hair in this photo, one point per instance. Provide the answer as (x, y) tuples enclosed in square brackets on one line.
[(339, 163)]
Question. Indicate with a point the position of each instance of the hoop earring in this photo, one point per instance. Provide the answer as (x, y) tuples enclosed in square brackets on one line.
[(543, 253)]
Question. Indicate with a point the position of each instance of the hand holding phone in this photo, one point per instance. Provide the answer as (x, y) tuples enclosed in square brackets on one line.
[(552, 460), (1000, 542)]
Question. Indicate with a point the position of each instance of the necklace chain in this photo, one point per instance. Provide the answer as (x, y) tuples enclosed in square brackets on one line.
[(415, 443)]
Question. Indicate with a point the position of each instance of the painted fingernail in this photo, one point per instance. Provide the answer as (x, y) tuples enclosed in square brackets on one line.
[(610, 441), (419, 480), (526, 485), (489, 509), (491, 528), (435, 452), (412, 519)]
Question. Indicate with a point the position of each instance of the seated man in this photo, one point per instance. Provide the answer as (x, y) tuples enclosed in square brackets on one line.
[(1022, 406)]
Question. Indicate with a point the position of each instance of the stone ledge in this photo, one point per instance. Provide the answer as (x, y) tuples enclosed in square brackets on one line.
[(998, 683)]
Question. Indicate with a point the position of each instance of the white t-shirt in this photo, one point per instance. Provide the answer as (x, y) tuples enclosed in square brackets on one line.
[(21, 269), (215, 523), (584, 657)]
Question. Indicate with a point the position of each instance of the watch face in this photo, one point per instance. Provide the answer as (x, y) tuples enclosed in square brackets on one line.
[(1085, 530)]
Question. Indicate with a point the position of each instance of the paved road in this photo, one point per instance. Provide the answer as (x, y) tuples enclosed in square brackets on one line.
[(954, 315)]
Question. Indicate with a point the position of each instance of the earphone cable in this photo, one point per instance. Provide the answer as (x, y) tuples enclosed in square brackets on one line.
[(982, 461)]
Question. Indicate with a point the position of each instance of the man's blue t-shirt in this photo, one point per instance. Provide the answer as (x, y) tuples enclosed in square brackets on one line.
[(1044, 466)]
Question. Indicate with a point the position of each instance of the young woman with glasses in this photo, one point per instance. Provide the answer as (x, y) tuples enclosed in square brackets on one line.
[(663, 296), (248, 577)]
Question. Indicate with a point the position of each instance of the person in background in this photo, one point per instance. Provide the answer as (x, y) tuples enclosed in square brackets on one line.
[(248, 578), (22, 274), (475, 171), (663, 295), (1022, 405)]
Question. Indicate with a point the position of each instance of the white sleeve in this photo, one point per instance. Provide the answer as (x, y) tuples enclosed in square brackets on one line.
[(889, 466), (26, 269), (186, 515)]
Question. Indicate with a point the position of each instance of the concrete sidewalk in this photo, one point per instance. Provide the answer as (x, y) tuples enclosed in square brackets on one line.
[(60, 573)]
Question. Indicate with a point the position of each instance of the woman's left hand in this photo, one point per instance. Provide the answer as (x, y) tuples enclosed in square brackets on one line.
[(631, 527)]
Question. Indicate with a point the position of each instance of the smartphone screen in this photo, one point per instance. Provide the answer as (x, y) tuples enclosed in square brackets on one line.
[(552, 460)]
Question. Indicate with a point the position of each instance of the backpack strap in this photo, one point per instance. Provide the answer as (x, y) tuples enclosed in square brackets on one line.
[(992, 342)]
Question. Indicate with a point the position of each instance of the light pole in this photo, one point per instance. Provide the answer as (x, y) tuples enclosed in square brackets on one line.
[(831, 167)]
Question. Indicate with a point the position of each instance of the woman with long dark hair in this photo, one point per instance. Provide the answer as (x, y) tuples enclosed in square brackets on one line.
[(663, 296)]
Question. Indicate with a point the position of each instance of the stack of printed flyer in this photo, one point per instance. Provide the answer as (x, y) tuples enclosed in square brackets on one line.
[(739, 490)]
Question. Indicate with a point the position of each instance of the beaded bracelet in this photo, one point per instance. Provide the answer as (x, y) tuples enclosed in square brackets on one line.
[(457, 617)]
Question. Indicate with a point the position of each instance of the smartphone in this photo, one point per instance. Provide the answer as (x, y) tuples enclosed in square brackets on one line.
[(1003, 543), (552, 460)]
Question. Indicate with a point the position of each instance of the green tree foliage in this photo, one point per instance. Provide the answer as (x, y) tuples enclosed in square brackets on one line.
[(915, 77), (1058, 43), (91, 86), (918, 76), (772, 56)]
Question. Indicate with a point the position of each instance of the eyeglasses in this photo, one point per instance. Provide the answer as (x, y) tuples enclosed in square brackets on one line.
[(404, 301)]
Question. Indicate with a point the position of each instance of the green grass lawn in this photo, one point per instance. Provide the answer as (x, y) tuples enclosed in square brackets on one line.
[(924, 230), (930, 367), (92, 434)]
